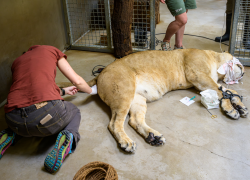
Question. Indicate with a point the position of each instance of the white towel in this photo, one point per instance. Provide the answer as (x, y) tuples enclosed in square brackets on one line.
[(228, 69)]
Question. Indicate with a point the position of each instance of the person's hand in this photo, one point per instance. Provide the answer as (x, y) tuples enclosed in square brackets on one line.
[(94, 90), (163, 1), (71, 90)]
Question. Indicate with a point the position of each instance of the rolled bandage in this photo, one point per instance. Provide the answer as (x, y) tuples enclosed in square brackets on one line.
[(94, 90)]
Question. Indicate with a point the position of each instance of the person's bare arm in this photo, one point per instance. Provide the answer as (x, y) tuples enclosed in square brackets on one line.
[(74, 78)]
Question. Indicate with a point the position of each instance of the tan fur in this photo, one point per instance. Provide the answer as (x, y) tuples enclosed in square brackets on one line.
[(128, 83)]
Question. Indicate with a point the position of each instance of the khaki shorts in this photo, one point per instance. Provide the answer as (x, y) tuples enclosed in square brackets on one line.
[(177, 7)]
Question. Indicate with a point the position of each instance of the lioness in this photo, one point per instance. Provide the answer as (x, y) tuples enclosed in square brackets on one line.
[(128, 83)]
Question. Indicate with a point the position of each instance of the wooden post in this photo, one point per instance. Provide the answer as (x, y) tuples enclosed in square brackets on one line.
[(121, 27)]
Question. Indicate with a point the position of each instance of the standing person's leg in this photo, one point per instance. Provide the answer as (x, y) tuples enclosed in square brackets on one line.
[(190, 4), (175, 26), (177, 9), (229, 11), (179, 37)]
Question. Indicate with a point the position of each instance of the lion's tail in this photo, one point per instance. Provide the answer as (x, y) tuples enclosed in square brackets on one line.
[(93, 81)]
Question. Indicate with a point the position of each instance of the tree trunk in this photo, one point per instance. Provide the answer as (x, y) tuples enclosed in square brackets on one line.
[(121, 27)]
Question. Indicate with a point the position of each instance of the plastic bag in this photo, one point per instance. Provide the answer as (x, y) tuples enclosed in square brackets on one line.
[(210, 99)]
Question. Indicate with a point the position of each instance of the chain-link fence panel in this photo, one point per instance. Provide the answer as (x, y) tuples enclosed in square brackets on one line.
[(240, 36)]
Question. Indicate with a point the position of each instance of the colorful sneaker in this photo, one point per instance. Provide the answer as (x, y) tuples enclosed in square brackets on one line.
[(6, 139), (62, 148), (165, 46), (178, 47)]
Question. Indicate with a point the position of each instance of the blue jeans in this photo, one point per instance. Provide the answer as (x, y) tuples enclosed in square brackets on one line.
[(26, 121)]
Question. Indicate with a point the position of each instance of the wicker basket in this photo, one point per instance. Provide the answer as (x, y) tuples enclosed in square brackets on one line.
[(96, 171)]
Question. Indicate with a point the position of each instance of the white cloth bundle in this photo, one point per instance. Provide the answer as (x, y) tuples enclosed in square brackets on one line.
[(228, 69)]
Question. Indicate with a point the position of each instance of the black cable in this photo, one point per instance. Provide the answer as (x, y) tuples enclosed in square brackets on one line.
[(197, 36), (228, 94), (99, 70)]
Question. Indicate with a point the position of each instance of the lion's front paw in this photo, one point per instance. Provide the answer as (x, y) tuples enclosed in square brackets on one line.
[(234, 114), (128, 146), (155, 140), (242, 110), (239, 106), (229, 109)]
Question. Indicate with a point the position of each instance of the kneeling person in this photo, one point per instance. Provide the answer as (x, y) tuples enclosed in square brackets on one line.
[(35, 106)]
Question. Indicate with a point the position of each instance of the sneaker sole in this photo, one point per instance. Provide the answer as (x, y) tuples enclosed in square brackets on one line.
[(55, 158), (6, 139)]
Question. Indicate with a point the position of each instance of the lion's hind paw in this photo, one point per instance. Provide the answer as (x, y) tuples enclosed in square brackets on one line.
[(155, 140)]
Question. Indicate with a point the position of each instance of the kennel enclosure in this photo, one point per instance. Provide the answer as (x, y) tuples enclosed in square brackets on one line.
[(89, 24)]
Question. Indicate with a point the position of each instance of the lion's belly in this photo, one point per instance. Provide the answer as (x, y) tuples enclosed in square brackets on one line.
[(153, 89)]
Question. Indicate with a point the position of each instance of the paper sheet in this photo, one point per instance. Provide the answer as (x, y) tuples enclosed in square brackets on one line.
[(186, 101)]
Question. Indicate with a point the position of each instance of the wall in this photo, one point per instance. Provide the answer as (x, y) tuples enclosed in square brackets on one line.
[(24, 23)]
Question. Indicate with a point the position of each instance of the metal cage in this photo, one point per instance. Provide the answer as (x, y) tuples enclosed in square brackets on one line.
[(240, 36), (88, 24)]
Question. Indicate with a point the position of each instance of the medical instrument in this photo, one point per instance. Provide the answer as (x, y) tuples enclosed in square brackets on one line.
[(192, 98), (213, 116)]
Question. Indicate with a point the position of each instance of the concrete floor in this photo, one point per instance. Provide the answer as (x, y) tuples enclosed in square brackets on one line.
[(197, 147)]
